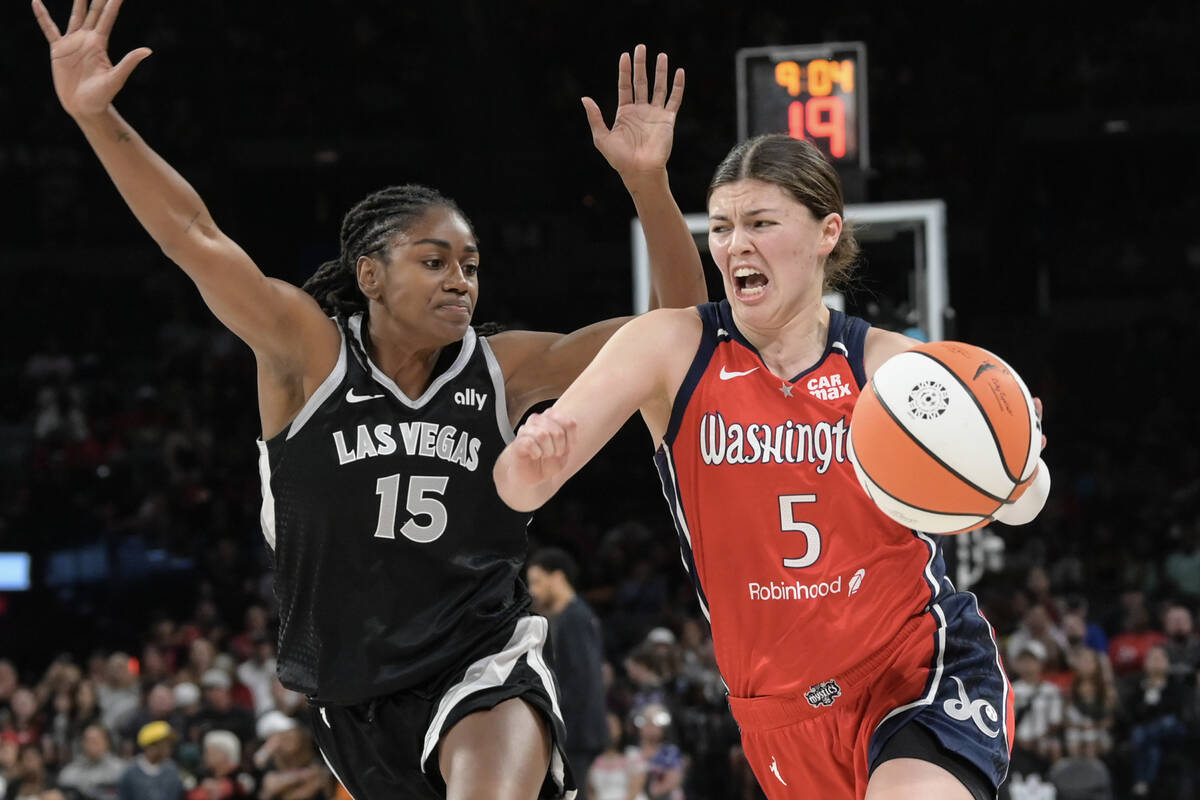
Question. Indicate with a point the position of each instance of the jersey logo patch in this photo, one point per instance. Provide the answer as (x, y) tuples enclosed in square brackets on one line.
[(726, 375), (828, 387), (823, 694), (775, 771), (351, 397), (964, 708), (472, 398)]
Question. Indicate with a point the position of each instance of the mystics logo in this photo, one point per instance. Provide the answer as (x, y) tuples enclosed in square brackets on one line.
[(823, 694)]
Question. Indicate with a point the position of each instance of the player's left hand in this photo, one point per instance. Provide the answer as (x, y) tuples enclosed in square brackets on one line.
[(639, 142)]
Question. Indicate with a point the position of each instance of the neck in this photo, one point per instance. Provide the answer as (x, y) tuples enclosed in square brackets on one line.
[(795, 345), (562, 602), (400, 352)]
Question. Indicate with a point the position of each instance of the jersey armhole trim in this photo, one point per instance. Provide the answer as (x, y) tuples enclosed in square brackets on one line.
[(493, 365), (323, 392), (709, 339)]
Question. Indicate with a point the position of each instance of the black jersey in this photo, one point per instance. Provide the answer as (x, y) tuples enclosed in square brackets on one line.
[(394, 556)]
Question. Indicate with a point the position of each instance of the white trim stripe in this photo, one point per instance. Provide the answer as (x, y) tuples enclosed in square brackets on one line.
[(334, 771), (497, 374), (676, 506), (1003, 681), (464, 354), (266, 514), (937, 674), (558, 771), (323, 392), (488, 672)]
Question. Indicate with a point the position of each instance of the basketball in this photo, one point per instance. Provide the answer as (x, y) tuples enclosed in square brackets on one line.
[(945, 438)]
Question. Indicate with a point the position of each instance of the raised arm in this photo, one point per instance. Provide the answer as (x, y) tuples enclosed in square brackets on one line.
[(640, 368), (285, 327), (638, 146)]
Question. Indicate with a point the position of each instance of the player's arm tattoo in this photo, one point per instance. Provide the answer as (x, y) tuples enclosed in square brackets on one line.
[(123, 136), (192, 222)]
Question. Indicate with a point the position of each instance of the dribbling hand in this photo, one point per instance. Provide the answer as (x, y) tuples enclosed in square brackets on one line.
[(541, 447), (639, 142), (84, 79)]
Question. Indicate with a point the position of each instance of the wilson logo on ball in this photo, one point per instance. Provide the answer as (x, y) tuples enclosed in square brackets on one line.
[(928, 400)]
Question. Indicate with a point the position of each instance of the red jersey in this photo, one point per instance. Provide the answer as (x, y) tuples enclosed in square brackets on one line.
[(799, 573)]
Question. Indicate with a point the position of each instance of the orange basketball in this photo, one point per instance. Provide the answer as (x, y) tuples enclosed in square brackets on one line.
[(945, 436)]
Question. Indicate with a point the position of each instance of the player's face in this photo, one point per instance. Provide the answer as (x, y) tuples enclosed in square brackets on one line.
[(769, 247), (431, 279)]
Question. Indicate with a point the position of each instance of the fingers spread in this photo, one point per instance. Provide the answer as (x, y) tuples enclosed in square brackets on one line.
[(108, 17), (594, 117), (78, 10), (624, 81), (676, 98), (127, 64), (93, 14), (641, 92), (660, 80), (45, 22)]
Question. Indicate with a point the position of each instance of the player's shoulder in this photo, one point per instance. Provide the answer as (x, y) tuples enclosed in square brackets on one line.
[(880, 345)]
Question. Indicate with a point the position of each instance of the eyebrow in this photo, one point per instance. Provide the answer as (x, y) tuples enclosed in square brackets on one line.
[(442, 243), (751, 213)]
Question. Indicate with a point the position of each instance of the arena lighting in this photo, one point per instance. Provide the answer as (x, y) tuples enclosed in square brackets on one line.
[(14, 572)]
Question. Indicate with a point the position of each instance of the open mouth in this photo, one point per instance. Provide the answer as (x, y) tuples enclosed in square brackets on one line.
[(749, 282)]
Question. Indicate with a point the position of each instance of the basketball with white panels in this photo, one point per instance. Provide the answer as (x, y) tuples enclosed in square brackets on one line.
[(944, 438)]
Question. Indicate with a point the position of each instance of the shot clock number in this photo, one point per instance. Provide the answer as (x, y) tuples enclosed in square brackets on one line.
[(814, 92)]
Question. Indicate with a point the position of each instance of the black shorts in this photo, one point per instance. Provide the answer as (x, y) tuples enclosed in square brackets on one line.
[(915, 741), (386, 748)]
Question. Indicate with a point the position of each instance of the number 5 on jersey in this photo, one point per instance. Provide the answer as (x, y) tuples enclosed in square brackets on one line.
[(417, 503), (787, 522)]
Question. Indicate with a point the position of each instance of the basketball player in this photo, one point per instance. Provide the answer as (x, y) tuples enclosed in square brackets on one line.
[(402, 616), (854, 668)]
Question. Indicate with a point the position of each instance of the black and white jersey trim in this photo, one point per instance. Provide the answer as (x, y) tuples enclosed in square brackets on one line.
[(464, 355)]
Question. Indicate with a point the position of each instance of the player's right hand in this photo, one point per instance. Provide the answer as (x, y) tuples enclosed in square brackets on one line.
[(85, 80), (541, 447)]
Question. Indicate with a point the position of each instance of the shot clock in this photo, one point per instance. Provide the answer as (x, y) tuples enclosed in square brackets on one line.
[(816, 92)]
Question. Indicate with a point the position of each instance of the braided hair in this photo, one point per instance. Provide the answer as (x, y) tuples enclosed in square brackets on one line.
[(367, 228)]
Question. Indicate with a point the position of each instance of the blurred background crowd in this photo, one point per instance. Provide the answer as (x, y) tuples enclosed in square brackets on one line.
[(1064, 150)]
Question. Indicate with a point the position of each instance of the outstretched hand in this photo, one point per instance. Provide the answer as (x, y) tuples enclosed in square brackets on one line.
[(84, 78), (639, 142)]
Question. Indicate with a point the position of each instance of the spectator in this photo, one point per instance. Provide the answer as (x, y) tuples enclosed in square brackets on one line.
[(86, 711), (1128, 648), (1183, 644), (219, 711), (152, 775), (1182, 566), (291, 768), (660, 766), (1036, 625), (222, 778), (613, 773), (1038, 714), (1153, 706), (160, 705), (576, 652), (257, 673), (26, 725), (96, 772), (118, 694), (8, 683), (1093, 635), (10, 763), (28, 779), (1091, 708)]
